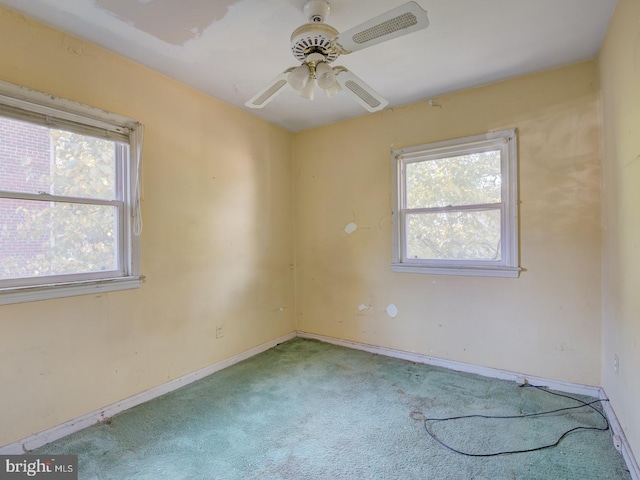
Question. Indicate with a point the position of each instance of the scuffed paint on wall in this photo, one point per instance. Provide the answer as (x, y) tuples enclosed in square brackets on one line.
[(350, 228)]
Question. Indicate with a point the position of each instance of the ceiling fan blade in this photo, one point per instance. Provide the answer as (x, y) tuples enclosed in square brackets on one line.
[(402, 20), (269, 91), (359, 91)]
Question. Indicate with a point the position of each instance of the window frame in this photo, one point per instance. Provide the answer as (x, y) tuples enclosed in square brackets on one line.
[(507, 266), (43, 109)]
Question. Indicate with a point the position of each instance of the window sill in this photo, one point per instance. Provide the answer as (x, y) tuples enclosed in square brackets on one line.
[(505, 272), (60, 290)]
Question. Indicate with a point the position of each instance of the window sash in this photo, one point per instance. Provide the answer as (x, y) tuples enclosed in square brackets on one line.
[(406, 162), (121, 269), (452, 261), (46, 197)]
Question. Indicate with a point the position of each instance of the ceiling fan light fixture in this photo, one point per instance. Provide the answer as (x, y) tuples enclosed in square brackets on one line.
[(325, 76), (332, 90), (308, 90), (299, 77)]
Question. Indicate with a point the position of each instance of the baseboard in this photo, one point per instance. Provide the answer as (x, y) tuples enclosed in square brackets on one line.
[(42, 438), (619, 438), (567, 387)]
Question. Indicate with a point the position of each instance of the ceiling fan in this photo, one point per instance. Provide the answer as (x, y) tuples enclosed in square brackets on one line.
[(317, 45)]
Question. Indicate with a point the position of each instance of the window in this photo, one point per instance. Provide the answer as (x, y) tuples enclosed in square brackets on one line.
[(455, 207), (69, 203)]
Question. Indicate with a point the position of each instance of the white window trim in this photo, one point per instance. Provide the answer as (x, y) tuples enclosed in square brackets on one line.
[(64, 110), (508, 266)]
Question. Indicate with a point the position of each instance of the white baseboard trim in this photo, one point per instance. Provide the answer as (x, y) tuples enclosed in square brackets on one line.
[(619, 438), (42, 438), (559, 385)]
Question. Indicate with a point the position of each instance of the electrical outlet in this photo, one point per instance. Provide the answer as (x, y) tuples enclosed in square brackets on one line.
[(616, 363), (219, 333)]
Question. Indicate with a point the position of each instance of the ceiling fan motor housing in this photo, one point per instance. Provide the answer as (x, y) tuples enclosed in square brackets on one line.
[(314, 38), (316, 10)]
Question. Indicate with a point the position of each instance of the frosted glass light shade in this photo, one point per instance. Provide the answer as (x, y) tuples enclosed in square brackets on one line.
[(299, 77), (325, 76), (332, 90), (308, 90)]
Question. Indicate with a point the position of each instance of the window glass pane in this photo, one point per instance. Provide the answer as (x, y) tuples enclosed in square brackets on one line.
[(25, 157), (83, 166), (36, 159), (463, 180), (466, 235), (47, 238)]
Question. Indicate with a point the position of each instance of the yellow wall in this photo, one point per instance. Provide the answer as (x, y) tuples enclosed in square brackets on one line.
[(547, 322), (620, 80), (217, 246), (218, 240)]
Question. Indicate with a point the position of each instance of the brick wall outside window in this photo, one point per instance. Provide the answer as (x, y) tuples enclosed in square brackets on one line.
[(25, 166)]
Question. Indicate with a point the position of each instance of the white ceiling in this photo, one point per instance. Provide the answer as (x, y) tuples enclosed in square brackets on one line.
[(230, 48)]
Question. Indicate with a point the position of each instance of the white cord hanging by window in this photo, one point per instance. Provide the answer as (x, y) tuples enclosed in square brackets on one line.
[(136, 211)]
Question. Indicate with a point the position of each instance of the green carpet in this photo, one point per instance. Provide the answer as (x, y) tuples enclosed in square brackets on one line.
[(310, 410)]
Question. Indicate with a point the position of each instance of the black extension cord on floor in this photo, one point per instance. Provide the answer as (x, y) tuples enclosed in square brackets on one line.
[(428, 421)]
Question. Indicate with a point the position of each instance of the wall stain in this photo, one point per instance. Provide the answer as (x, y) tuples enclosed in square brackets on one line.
[(72, 45), (636, 53), (634, 160), (16, 17)]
